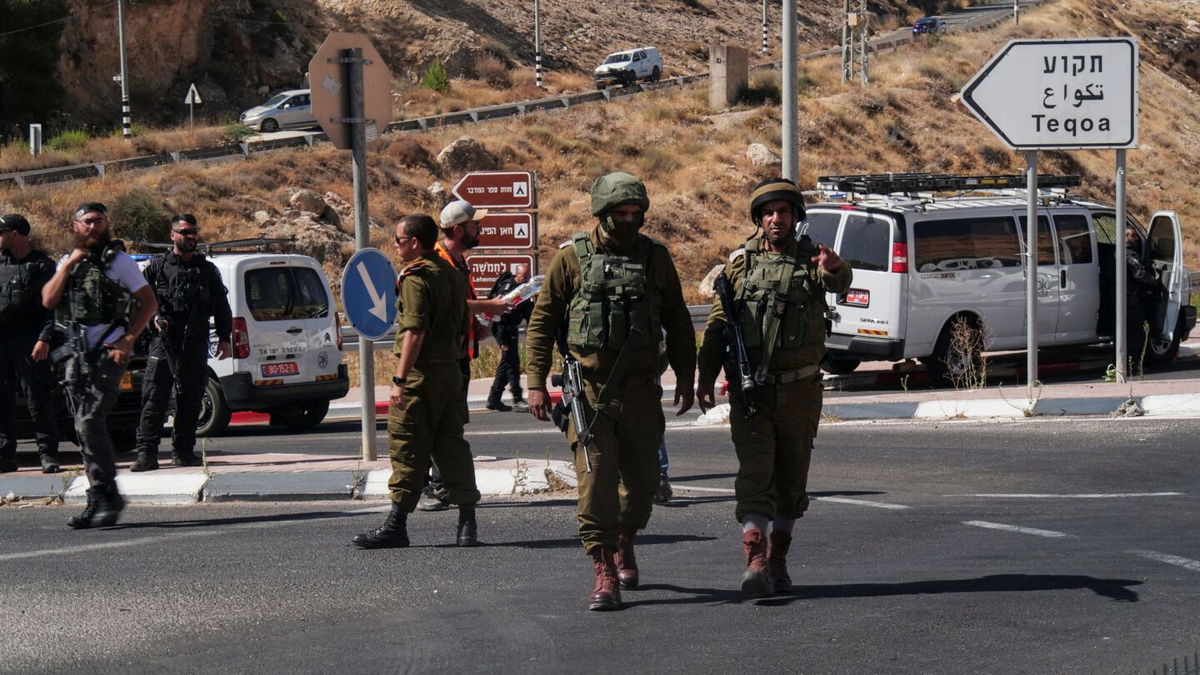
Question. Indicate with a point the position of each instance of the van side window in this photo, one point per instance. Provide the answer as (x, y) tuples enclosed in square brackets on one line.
[(1045, 242), (285, 293), (976, 243), (866, 242), (822, 228), (1074, 239)]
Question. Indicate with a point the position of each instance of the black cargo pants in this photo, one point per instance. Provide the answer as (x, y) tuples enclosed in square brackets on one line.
[(158, 383), (17, 368)]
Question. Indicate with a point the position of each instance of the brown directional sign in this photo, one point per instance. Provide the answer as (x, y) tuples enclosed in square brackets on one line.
[(329, 85), (508, 230), (487, 267), (497, 189)]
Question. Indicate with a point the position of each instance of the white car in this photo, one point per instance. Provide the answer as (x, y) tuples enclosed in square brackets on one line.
[(285, 110), (287, 344), (629, 66)]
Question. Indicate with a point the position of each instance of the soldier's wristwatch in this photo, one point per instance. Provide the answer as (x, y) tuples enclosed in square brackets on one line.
[(398, 381)]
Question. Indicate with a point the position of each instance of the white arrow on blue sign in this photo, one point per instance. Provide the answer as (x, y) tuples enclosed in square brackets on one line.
[(369, 293)]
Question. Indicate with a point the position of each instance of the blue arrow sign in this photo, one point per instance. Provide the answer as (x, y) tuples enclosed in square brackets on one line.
[(369, 293)]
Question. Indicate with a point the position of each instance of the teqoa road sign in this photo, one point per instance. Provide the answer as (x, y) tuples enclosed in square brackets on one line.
[(328, 83), (369, 293), (487, 267), (508, 230), (1060, 94), (497, 189)]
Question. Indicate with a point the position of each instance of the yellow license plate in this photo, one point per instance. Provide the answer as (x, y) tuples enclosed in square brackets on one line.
[(127, 381)]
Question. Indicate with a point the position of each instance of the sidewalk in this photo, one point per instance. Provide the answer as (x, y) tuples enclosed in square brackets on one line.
[(288, 476)]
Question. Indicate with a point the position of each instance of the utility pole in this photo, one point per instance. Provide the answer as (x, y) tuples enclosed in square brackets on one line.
[(855, 30), (123, 78), (1016, 13), (537, 41), (791, 152), (764, 22)]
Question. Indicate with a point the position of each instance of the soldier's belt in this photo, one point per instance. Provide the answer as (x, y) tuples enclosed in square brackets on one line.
[(789, 376)]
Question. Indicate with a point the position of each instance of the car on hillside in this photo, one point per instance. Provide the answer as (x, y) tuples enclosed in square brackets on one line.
[(930, 24), (290, 109), (926, 264), (629, 66)]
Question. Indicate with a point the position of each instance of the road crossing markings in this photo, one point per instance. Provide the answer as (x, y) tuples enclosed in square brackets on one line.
[(1115, 495), (1186, 563), (1020, 530)]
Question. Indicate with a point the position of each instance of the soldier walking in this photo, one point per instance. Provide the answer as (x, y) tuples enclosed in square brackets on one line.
[(615, 291), (778, 285), (428, 402), (25, 330), (95, 289), (189, 290)]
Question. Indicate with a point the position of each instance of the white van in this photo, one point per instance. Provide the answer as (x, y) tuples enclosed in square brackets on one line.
[(629, 66), (921, 262), (287, 343)]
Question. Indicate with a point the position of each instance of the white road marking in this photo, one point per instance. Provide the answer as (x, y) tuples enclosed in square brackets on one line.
[(697, 488), (861, 502), (1114, 495), (1014, 528), (1186, 563)]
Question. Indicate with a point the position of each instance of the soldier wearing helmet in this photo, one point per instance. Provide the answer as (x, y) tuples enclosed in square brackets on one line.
[(779, 283), (613, 292)]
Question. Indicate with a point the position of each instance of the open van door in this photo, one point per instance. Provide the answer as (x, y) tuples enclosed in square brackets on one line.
[(1165, 250)]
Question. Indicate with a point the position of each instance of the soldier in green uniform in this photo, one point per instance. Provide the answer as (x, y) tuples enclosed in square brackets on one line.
[(428, 401), (779, 283), (613, 291)]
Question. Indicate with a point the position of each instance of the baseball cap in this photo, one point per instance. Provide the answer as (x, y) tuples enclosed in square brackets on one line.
[(460, 211), (15, 222)]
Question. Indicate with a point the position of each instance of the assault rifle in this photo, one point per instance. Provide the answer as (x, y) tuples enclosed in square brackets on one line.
[(737, 362), (75, 352), (574, 402)]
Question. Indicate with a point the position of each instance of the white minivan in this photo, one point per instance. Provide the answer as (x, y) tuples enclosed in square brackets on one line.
[(922, 262), (287, 343)]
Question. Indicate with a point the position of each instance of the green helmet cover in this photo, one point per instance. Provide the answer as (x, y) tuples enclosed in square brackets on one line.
[(616, 189)]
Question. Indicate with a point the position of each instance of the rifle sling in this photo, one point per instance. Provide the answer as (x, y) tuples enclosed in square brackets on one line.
[(771, 324)]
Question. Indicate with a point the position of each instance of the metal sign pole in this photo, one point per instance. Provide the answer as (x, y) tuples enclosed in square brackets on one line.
[(791, 152), (537, 42), (358, 133), (1031, 264), (1121, 335)]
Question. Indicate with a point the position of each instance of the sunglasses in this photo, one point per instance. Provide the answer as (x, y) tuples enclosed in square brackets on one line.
[(401, 240), (187, 231)]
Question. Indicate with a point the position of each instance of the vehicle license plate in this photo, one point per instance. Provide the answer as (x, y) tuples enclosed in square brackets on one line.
[(277, 369)]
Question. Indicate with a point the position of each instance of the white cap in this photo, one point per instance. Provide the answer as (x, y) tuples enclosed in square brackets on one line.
[(460, 211)]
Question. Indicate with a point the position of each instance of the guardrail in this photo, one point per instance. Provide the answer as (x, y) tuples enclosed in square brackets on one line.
[(474, 116)]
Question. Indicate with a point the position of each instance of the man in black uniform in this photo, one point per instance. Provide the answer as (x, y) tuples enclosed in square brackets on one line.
[(25, 328), (506, 330), (1141, 294), (189, 290)]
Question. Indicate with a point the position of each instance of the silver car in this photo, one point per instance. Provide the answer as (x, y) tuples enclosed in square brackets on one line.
[(285, 110)]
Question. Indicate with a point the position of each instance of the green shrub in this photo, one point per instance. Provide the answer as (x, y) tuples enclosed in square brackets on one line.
[(761, 90), (139, 216), (68, 140), (237, 131), (436, 78)]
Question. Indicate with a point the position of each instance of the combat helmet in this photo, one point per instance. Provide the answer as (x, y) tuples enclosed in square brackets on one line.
[(616, 189), (775, 189)]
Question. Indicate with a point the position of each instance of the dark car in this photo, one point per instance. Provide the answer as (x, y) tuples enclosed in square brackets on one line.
[(930, 24)]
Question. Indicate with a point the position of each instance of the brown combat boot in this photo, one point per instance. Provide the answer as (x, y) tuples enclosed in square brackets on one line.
[(777, 548), (607, 593), (627, 569), (755, 581)]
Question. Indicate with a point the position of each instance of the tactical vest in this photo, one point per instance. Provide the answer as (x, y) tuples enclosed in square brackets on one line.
[(14, 279), (762, 281), (184, 290), (615, 297), (91, 298)]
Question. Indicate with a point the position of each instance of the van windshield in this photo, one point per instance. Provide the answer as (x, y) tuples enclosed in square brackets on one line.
[(617, 58), (285, 293)]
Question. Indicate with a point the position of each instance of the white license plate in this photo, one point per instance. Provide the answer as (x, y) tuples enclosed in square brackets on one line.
[(277, 369)]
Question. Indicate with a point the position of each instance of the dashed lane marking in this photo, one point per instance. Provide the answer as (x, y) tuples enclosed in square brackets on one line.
[(1020, 530), (1115, 495), (1185, 563), (861, 502), (698, 488)]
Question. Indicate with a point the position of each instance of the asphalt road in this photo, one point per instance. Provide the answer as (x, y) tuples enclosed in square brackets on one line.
[(1017, 546)]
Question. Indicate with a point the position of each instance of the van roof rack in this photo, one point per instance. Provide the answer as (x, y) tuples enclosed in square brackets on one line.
[(252, 245), (891, 183)]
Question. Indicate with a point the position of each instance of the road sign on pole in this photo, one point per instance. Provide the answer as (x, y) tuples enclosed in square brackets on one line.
[(508, 230), (330, 84), (497, 189), (1060, 94), (192, 100), (487, 267), (369, 293)]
